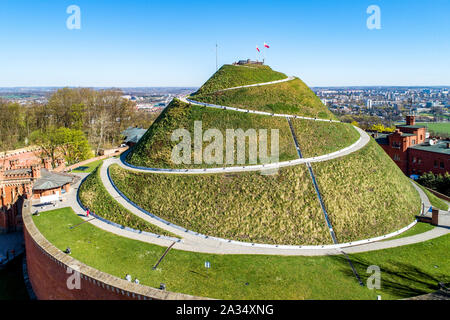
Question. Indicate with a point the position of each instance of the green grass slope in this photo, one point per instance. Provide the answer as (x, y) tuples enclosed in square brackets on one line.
[(278, 209), (366, 194), (437, 127), (317, 137), (155, 147), (406, 271), (291, 97), (94, 196), (229, 76)]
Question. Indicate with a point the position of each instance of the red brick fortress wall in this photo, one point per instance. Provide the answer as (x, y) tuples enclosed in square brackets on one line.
[(49, 279), (48, 273)]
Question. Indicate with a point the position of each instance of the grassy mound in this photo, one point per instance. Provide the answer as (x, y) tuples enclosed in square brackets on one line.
[(94, 196), (155, 147), (317, 137), (291, 97), (250, 207), (268, 277), (229, 76), (366, 194)]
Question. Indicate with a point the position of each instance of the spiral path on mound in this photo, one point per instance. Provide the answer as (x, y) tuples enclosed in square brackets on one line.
[(194, 241)]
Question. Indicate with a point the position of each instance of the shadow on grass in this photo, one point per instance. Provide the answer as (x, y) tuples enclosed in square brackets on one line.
[(398, 279), (82, 168)]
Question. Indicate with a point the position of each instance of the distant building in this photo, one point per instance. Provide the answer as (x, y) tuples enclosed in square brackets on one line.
[(24, 177), (413, 151), (248, 61), (133, 135)]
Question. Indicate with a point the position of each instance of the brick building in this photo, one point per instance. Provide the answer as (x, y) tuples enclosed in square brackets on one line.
[(413, 151), (23, 176)]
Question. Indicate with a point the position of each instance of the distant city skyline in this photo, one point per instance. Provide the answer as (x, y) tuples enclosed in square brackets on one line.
[(172, 44)]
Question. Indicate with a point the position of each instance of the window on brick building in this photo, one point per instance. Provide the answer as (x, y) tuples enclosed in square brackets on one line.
[(414, 160), (435, 164), (413, 141), (396, 157), (419, 160), (396, 145), (442, 165)]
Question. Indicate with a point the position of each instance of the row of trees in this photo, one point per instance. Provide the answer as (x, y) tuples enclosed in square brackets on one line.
[(73, 123), (437, 182), (367, 122)]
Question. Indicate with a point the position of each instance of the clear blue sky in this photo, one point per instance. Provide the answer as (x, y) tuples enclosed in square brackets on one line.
[(172, 43)]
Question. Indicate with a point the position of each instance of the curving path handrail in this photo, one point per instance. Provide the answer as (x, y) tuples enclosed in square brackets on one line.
[(290, 78), (194, 241), (361, 143), (216, 106), (185, 99)]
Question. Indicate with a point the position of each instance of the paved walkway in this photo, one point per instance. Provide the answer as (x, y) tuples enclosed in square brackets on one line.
[(198, 243), (216, 106), (192, 241), (210, 105), (290, 78), (361, 143)]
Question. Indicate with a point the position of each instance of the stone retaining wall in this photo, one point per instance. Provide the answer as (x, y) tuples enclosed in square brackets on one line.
[(439, 195)]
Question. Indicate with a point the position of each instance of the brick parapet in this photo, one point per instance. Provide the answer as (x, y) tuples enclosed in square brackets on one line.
[(47, 268)]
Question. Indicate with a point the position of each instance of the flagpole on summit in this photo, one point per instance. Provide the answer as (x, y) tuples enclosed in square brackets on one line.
[(266, 46)]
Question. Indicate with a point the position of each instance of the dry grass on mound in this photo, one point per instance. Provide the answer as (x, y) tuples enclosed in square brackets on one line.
[(276, 209), (366, 194), (94, 196), (317, 137), (291, 97), (155, 148)]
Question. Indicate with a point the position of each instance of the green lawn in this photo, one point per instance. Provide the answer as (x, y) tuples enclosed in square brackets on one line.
[(291, 97), (419, 228), (437, 127), (406, 271), (435, 201), (89, 167), (366, 194), (155, 148), (229, 76), (248, 206), (317, 137), (94, 196)]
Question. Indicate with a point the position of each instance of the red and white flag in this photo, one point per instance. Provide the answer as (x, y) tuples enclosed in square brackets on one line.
[(257, 49), (266, 45)]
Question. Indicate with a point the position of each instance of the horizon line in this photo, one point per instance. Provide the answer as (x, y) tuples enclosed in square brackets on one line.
[(194, 87)]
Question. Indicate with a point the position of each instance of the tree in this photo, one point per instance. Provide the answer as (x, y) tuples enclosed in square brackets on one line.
[(438, 182), (381, 128), (71, 144)]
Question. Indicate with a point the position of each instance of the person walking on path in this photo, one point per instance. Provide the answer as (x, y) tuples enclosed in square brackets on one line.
[(87, 213)]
